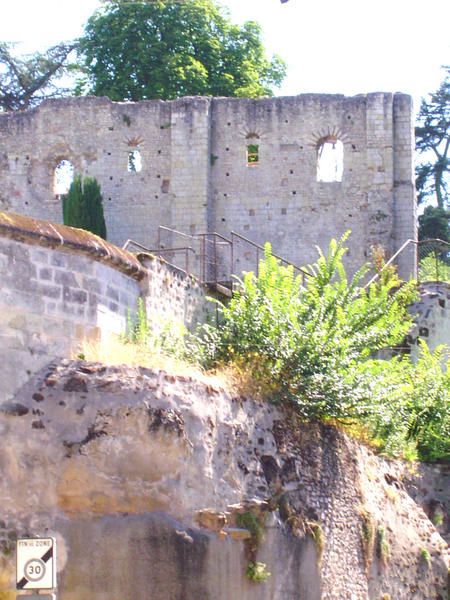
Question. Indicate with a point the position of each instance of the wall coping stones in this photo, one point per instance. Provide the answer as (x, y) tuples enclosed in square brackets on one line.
[(62, 237)]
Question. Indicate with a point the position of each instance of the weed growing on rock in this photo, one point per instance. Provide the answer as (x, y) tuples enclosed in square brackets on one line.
[(250, 521), (438, 519), (367, 536), (425, 557), (318, 535), (392, 494), (257, 572), (382, 546)]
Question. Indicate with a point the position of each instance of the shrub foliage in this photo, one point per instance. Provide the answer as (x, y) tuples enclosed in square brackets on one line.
[(313, 346)]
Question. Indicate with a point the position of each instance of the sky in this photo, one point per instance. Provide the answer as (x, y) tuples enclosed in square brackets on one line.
[(330, 46)]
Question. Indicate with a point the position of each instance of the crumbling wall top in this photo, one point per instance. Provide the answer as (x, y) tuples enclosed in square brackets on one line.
[(45, 233)]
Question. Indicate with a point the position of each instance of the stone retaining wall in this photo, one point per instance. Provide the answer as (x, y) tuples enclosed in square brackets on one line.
[(62, 286)]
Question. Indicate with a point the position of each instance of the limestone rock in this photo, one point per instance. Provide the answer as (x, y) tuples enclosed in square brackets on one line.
[(140, 475)]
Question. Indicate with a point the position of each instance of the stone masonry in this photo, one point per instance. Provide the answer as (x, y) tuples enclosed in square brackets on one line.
[(62, 287), (196, 175)]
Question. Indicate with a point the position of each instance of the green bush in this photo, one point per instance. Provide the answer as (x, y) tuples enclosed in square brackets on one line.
[(309, 340), (82, 206), (313, 346), (411, 414), (433, 268)]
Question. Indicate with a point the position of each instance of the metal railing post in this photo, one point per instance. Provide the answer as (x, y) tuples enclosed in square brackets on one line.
[(203, 259), (215, 259), (232, 258)]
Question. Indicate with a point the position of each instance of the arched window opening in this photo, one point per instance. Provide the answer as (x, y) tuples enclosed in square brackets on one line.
[(134, 161), (62, 177), (330, 159)]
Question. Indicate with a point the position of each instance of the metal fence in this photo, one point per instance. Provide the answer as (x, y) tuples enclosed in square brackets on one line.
[(433, 260)]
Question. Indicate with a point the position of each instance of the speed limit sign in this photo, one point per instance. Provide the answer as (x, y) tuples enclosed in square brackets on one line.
[(36, 564)]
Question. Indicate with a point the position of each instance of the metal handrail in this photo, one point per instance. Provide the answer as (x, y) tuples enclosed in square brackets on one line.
[(185, 249), (212, 264), (259, 247), (210, 259), (417, 244), (163, 227)]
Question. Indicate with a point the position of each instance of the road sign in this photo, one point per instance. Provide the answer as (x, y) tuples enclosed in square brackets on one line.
[(36, 564)]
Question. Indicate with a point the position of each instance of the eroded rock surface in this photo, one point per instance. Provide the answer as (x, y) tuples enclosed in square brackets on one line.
[(141, 476)]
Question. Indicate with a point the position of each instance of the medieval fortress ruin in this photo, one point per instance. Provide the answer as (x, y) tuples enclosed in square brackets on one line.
[(143, 476), (295, 171)]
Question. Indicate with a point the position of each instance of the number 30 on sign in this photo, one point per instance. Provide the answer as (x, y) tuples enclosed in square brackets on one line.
[(36, 564)]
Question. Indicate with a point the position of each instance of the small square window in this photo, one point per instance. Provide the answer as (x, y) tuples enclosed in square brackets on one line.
[(252, 155)]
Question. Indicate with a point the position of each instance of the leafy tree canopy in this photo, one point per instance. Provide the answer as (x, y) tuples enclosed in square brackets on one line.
[(142, 49), (434, 223), (26, 81), (433, 141)]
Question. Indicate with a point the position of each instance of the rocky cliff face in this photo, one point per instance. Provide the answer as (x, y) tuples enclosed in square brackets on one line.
[(167, 487)]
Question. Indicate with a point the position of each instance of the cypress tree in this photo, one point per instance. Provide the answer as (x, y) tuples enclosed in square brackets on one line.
[(82, 206)]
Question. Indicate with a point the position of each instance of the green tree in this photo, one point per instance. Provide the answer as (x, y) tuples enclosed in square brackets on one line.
[(142, 49), (433, 142), (434, 224), (26, 81), (82, 206)]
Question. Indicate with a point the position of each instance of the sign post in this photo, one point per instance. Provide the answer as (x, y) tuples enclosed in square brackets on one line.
[(36, 564)]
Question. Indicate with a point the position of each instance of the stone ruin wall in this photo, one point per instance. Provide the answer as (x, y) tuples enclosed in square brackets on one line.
[(280, 199), (432, 316), (195, 175)]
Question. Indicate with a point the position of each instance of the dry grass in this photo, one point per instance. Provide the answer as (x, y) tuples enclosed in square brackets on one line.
[(391, 493), (245, 378), (115, 352)]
